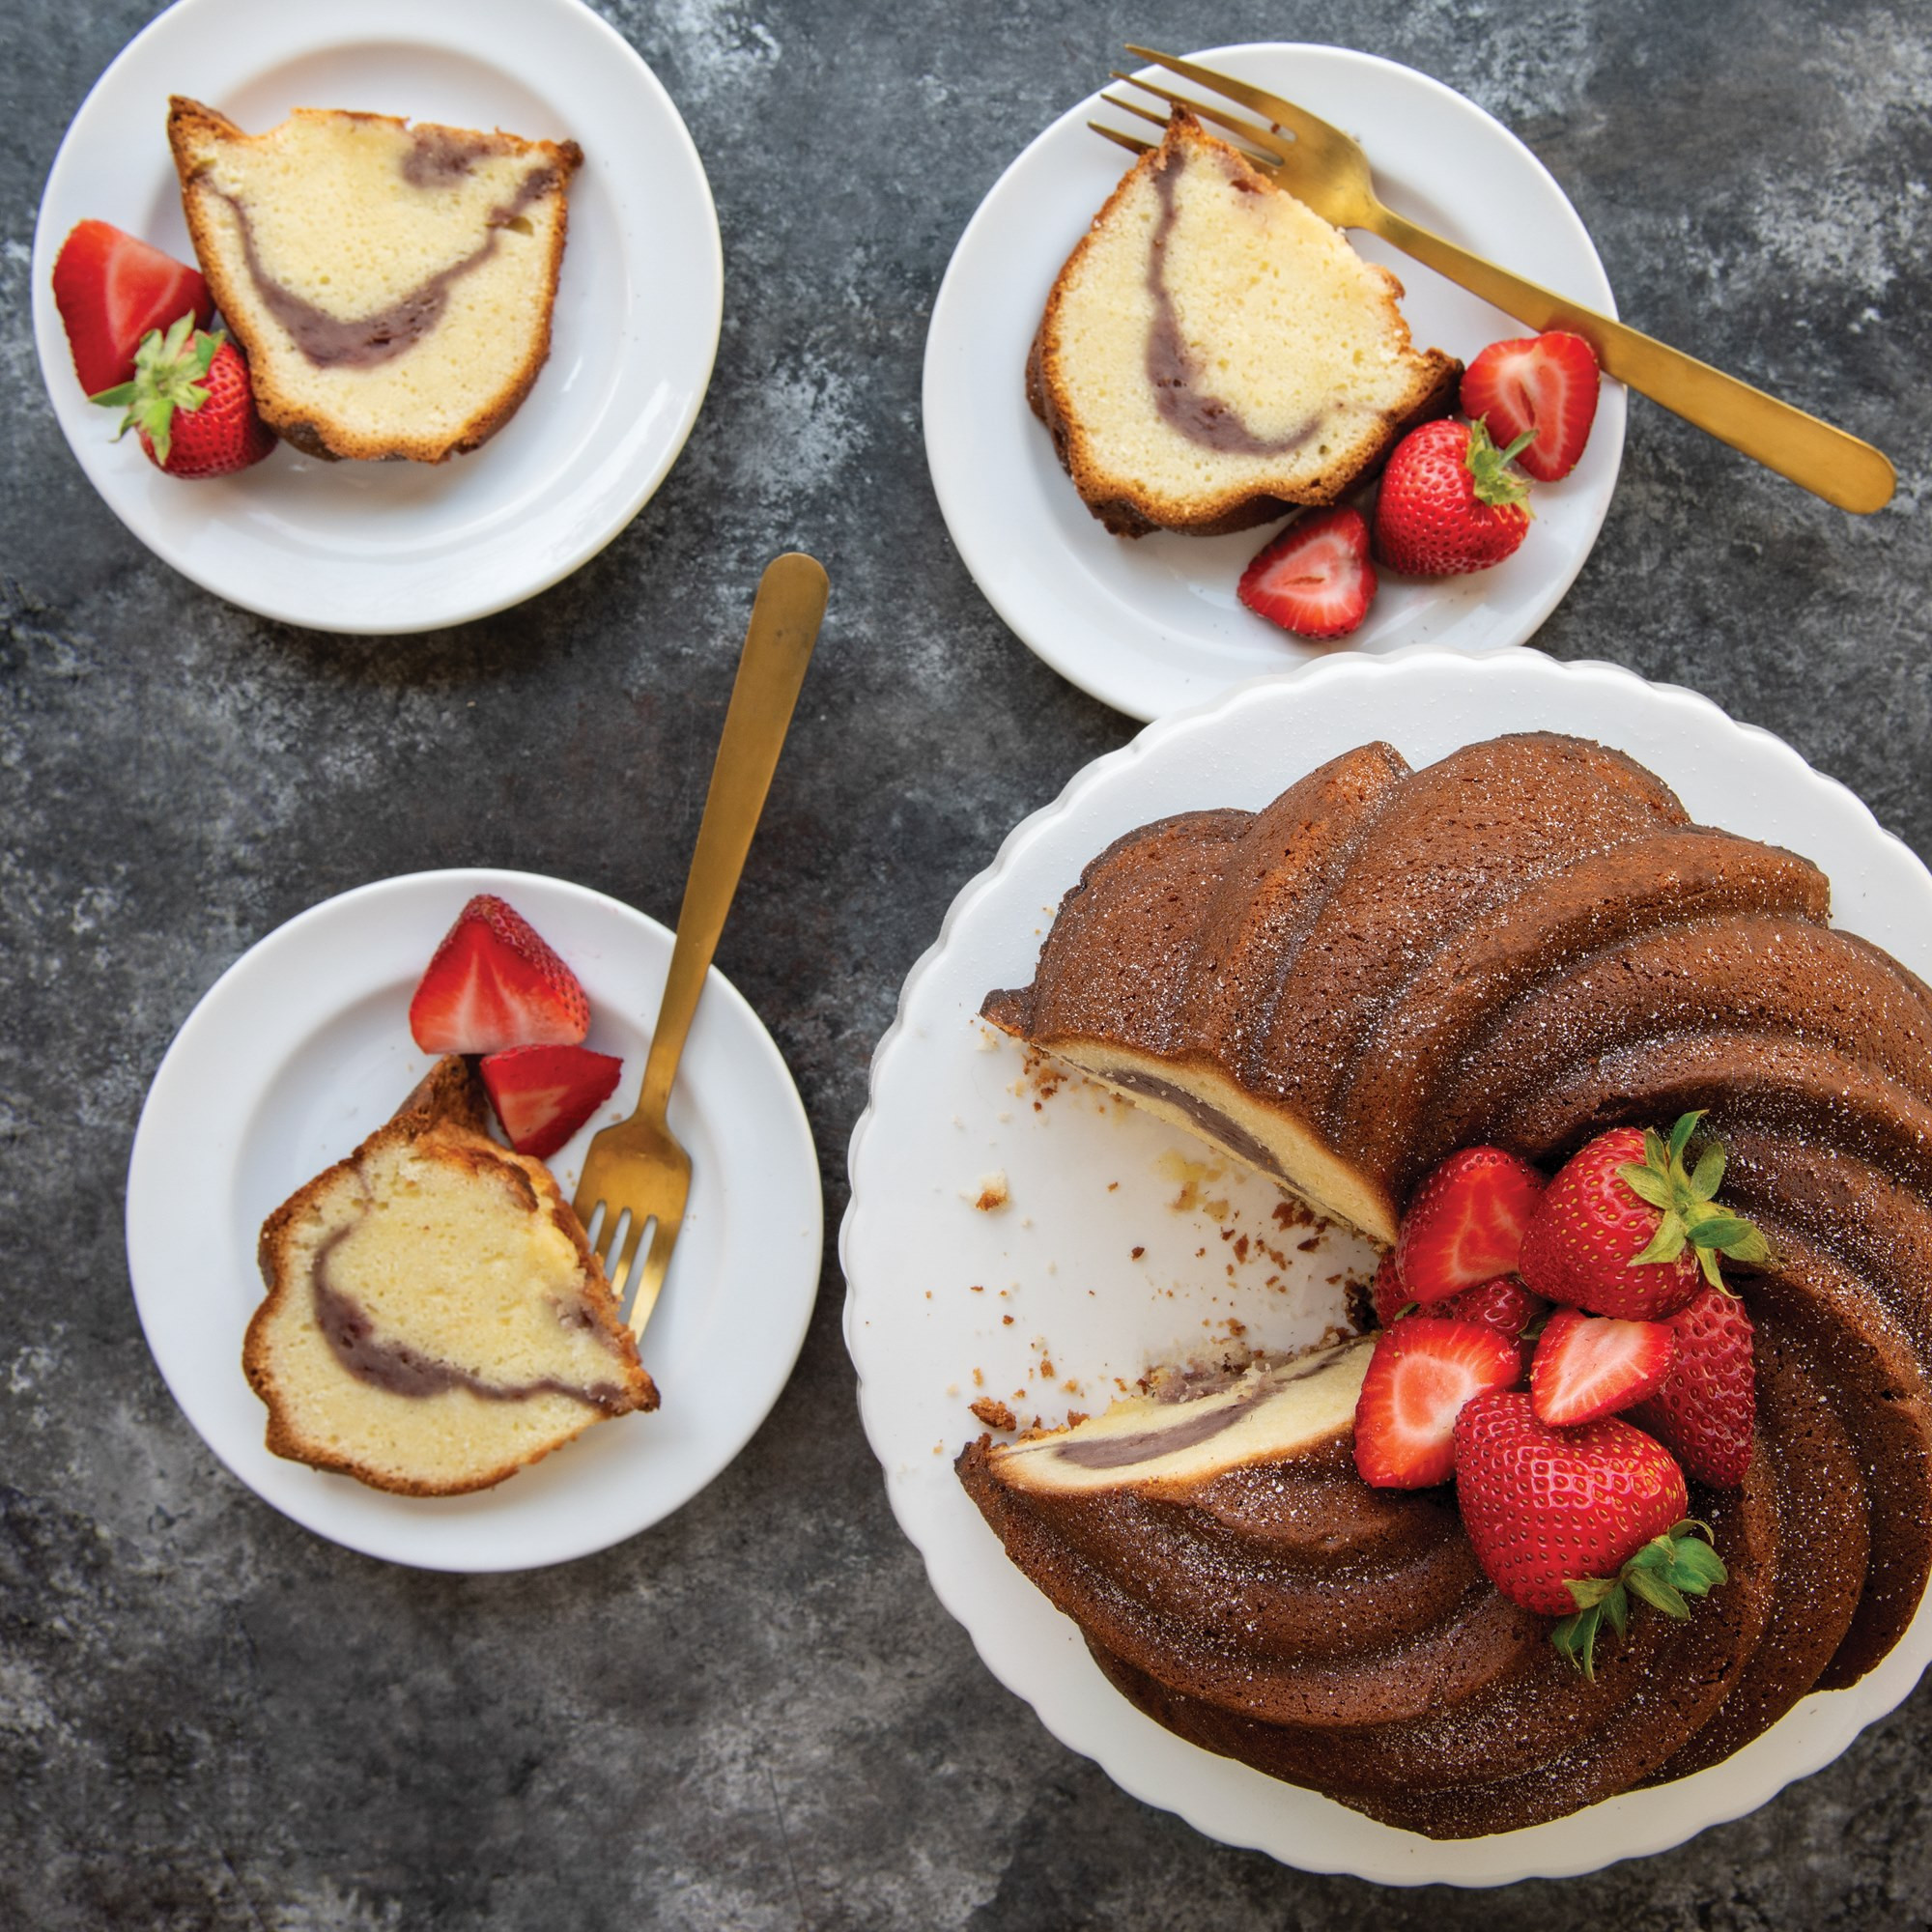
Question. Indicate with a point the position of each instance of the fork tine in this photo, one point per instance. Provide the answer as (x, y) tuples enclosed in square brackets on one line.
[(1277, 146), (1120, 140), (1132, 108), (651, 1278), (623, 1251), (1271, 107)]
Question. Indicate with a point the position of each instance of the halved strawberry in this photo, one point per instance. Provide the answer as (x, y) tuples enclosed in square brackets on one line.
[(1465, 1221), (1704, 1412), (1501, 1304), (1591, 1365), (1544, 382), (543, 1094), (1421, 1373), (1314, 579), (493, 984), (111, 290)]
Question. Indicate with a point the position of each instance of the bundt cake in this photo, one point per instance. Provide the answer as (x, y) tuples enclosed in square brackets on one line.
[(1214, 353), (1522, 945), (435, 1319), (390, 284)]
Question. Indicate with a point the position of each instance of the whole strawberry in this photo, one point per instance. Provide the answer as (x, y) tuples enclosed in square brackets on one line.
[(1450, 502), (1704, 1409), (190, 403), (1570, 1523), (1624, 1229)]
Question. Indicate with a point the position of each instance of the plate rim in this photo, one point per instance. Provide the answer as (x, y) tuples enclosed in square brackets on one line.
[(749, 1034), (1411, 1860), (51, 351), (955, 499)]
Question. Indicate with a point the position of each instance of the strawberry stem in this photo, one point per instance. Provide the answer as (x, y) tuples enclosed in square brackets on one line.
[(1667, 1570), (168, 371), (1497, 483), (1684, 1202)]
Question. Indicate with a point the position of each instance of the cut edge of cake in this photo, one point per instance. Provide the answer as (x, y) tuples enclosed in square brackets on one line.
[(1126, 504), (443, 1118)]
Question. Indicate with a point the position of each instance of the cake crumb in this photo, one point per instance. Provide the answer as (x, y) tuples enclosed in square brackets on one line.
[(995, 1414), (1113, 1187), (1005, 1321), (979, 1379), (1076, 1417), (1137, 1253), (989, 1193)]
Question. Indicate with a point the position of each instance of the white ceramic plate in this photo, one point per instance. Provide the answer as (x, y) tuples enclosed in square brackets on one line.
[(302, 1047), (944, 1111), (396, 547), (1152, 625)]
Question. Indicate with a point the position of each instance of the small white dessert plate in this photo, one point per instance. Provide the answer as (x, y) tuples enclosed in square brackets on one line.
[(1123, 1245), (302, 1047), (400, 547), (1152, 625)]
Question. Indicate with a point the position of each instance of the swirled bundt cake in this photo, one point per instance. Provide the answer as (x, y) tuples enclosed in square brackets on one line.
[(1523, 944), (391, 284), (435, 1319), (1214, 353)]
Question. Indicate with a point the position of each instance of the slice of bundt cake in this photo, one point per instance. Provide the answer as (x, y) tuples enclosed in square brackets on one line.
[(435, 1319), (1215, 353), (391, 284)]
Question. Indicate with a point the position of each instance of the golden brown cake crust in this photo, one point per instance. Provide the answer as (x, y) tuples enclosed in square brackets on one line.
[(1131, 511), (445, 1114), (192, 126)]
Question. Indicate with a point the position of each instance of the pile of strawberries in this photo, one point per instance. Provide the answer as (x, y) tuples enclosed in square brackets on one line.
[(1572, 1488), (137, 322), (1449, 501), (495, 988)]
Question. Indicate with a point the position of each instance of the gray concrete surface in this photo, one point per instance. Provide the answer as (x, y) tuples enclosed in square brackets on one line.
[(757, 1716)]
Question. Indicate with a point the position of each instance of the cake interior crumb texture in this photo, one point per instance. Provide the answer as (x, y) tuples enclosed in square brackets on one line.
[(391, 285)]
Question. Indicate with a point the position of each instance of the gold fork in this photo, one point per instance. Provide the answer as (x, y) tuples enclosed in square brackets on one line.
[(635, 1173), (1320, 166)]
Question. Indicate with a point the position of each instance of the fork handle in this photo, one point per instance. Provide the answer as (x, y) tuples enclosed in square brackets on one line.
[(1810, 452), (778, 646)]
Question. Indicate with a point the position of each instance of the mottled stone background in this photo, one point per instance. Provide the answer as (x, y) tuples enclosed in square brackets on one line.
[(757, 1714)]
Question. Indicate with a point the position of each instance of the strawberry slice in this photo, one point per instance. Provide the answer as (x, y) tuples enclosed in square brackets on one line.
[(1705, 1408), (1591, 1365), (1466, 1223), (1314, 579), (1544, 382), (493, 984), (1503, 1303), (1421, 1373), (111, 290), (543, 1094)]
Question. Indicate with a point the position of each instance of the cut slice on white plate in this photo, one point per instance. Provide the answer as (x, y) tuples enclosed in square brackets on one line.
[(1123, 1243), (1152, 625), (302, 1047), (400, 547)]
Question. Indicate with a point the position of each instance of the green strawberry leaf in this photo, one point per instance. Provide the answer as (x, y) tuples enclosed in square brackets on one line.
[(1653, 1589), (1709, 1175), (1664, 1572), (1666, 1244), (1680, 1135), (1646, 1184)]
